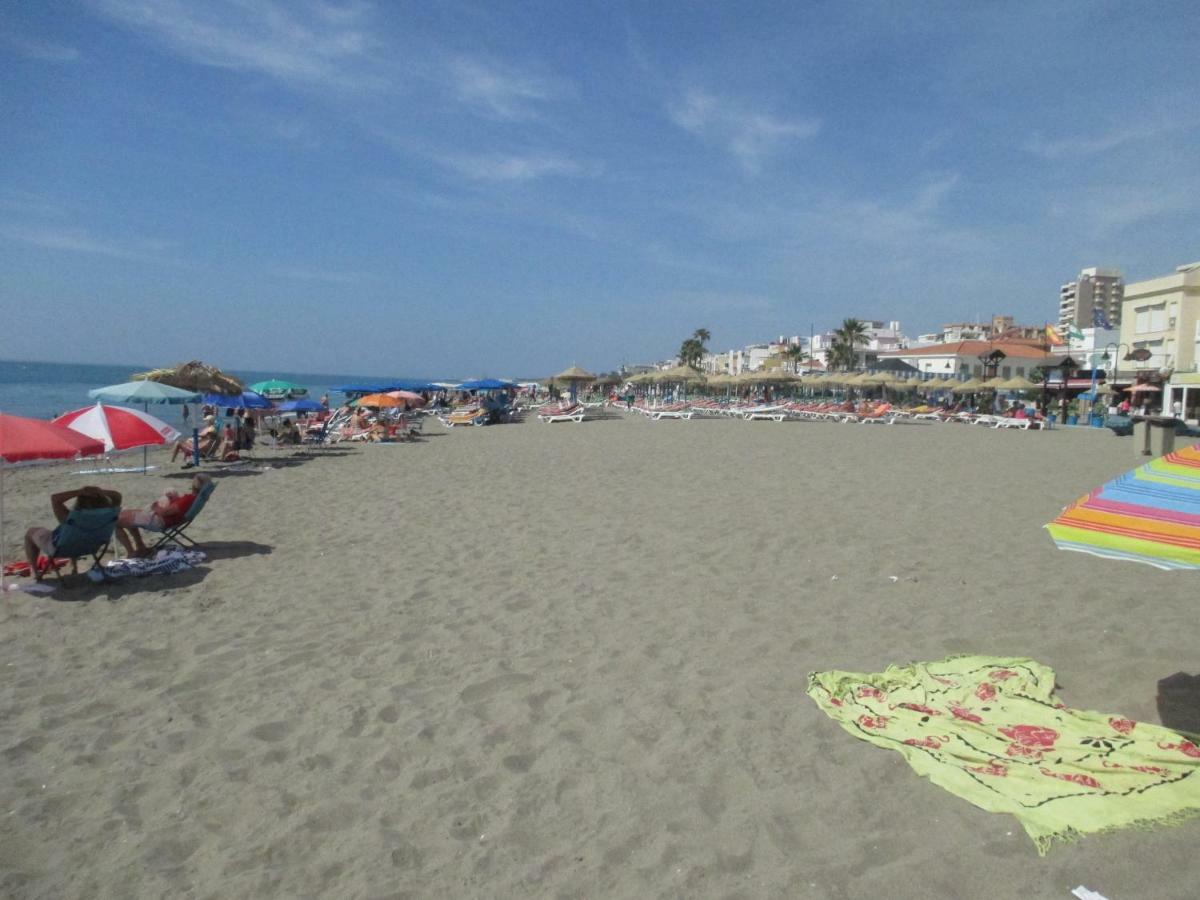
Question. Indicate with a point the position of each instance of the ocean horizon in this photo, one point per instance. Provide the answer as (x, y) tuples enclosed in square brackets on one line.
[(43, 390)]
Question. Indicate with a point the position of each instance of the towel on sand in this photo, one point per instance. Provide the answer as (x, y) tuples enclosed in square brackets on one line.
[(165, 562), (990, 730)]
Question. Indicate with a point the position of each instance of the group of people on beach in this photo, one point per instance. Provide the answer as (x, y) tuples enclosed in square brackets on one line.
[(166, 512), (236, 436)]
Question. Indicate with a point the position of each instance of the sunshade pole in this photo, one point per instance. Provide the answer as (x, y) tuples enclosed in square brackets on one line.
[(3, 586)]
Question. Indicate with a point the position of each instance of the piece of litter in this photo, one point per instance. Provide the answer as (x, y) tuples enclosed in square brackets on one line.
[(893, 579), (1087, 894), (834, 578)]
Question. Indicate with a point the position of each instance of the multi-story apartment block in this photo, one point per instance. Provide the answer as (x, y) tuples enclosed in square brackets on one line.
[(1162, 315), (1093, 299)]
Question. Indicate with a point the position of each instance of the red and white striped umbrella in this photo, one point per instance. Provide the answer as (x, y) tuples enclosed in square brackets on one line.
[(118, 427)]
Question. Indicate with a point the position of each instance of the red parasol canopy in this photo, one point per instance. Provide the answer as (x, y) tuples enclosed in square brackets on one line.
[(22, 440), (119, 428)]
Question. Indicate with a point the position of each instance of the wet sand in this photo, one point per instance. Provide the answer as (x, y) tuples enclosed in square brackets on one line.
[(569, 661)]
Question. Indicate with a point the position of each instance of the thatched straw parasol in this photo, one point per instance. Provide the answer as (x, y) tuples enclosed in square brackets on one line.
[(610, 378), (935, 384), (574, 374), (677, 375), (968, 387), (1016, 383), (195, 376)]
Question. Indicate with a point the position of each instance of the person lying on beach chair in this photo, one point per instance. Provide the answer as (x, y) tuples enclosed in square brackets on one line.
[(208, 442), (84, 530), (165, 513)]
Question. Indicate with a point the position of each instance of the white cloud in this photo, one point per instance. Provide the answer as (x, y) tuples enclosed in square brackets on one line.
[(41, 50), (311, 45), (499, 91), (1092, 141), (78, 240), (751, 136), (506, 167)]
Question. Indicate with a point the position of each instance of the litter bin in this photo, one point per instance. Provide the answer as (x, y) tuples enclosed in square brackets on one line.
[(1097, 421), (1072, 419), (1052, 418)]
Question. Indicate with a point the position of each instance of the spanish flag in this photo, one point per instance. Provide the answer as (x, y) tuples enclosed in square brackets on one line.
[(1053, 337)]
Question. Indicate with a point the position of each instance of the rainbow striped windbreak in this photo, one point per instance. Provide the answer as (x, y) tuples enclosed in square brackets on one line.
[(1149, 515)]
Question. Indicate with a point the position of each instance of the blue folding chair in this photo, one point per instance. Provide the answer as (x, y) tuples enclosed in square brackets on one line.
[(86, 532)]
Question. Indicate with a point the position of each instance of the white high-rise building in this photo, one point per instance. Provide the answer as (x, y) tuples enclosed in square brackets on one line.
[(1092, 300)]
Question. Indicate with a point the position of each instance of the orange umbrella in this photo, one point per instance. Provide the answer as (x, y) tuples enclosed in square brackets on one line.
[(380, 401)]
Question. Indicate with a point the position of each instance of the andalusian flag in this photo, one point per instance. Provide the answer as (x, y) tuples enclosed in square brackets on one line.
[(1074, 334), (1053, 337)]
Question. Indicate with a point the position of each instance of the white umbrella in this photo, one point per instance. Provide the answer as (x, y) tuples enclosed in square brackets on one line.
[(118, 427)]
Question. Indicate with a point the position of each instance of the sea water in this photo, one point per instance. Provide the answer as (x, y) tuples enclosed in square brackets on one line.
[(41, 390)]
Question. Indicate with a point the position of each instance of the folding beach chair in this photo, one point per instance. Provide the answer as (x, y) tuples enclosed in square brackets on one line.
[(175, 533), (86, 532)]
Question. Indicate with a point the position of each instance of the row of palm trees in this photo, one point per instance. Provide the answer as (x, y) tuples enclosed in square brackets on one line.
[(850, 335)]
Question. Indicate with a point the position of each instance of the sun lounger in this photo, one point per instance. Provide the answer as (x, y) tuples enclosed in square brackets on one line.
[(773, 413), (572, 413), (469, 415)]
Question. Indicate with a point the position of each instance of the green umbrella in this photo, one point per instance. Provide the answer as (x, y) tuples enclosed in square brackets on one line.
[(276, 388)]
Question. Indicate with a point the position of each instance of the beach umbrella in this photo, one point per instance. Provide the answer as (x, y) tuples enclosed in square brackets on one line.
[(118, 427), (195, 376), (935, 384), (27, 440), (242, 400), (279, 387), (968, 387), (303, 404), (679, 374), (380, 401), (143, 392), (1149, 515), (573, 376), (1143, 388), (409, 397)]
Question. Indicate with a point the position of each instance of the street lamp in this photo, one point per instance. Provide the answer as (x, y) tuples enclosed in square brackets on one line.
[(1106, 357)]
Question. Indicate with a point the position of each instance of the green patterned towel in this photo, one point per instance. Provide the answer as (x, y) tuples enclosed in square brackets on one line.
[(991, 731)]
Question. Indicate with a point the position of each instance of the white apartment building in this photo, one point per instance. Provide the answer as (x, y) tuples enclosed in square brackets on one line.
[(1162, 315), (1094, 289), (881, 337)]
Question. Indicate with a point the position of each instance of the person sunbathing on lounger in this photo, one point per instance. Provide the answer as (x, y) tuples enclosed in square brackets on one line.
[(208, 440), (42, 540), (167, 510)]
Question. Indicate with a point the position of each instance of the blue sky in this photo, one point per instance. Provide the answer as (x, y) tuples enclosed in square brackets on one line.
[(499, 189)]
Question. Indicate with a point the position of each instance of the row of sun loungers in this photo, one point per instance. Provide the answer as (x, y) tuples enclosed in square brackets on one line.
[(877, 414)]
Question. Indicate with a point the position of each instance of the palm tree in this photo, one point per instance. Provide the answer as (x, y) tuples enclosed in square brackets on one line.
[(692, 350), (841, 355), (796, 354), (851, 334)]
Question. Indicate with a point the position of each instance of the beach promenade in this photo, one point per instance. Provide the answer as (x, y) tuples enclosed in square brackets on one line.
[(569, 661)]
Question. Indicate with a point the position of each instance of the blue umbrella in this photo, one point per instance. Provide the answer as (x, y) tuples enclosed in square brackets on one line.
[(302, 405), (245, 400), (143, 392), (410, 384)]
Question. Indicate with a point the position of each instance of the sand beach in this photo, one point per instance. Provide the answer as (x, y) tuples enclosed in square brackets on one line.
[(568, 661)]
